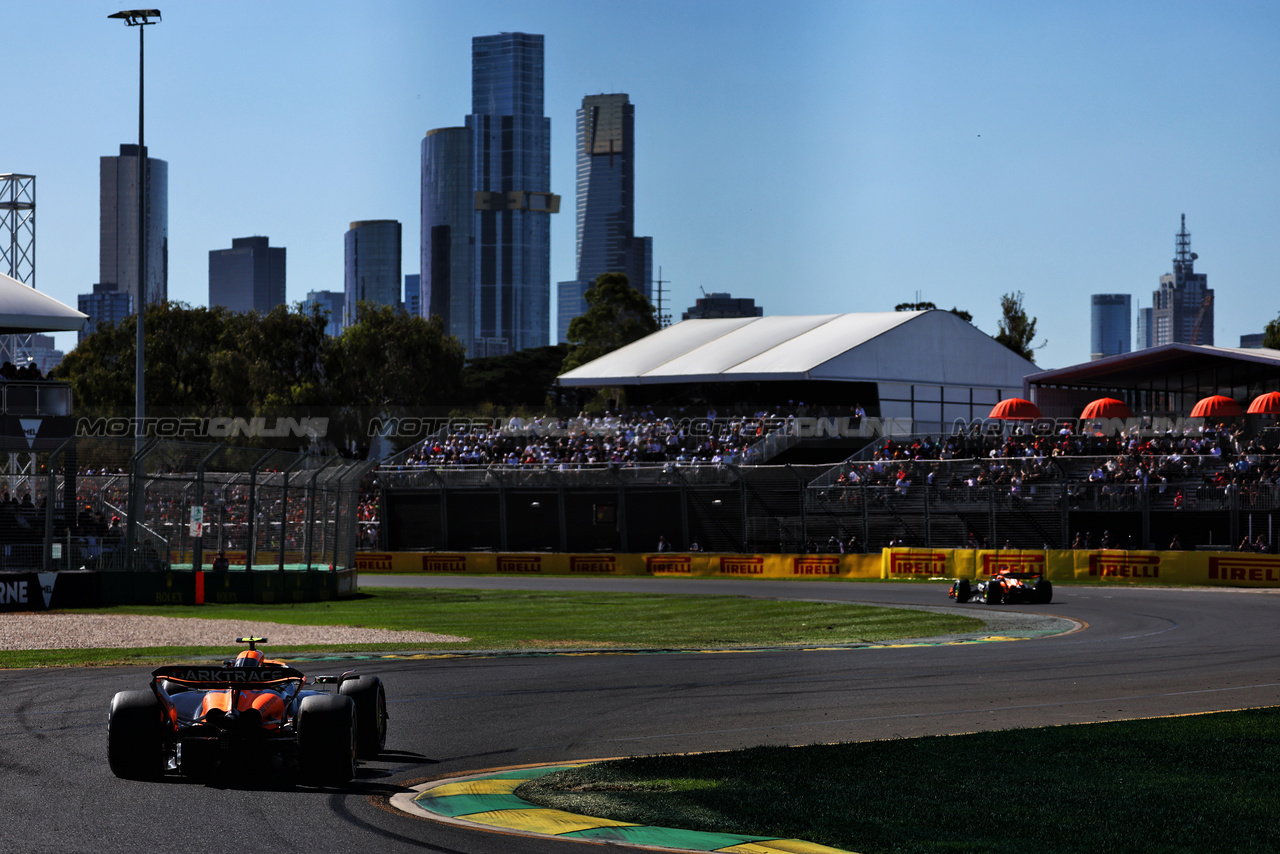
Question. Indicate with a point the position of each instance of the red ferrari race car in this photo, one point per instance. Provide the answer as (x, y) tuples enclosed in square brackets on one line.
[(1006, 586), (252, 713)]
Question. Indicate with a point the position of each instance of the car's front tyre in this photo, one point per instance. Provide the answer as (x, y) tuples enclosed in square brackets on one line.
[(370, 700)]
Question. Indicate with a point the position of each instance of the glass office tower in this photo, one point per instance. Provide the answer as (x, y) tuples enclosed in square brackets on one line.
[(247, 277), (606, 241), (372, 266), (118, 224), (486, 205), (448, 211), (1110, 325), (511, 165)]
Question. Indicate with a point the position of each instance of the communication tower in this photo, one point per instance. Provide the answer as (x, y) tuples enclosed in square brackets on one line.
[(17, 249)]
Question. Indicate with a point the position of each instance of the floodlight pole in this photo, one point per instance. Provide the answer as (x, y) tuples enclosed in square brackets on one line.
[(140, 18)]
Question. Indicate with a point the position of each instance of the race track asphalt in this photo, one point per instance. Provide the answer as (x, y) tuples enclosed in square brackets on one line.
[(1143, 652)]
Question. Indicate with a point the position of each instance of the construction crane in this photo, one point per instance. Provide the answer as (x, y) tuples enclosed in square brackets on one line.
[(1204, 309)]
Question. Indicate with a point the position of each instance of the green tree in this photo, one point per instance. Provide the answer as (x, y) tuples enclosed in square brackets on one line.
[(390, 358), (617, 314), (274, 360), (1017, 331), (1271, 337), (517, 379), (181, 344)]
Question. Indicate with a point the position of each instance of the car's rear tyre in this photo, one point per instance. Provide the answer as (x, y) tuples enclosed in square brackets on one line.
[(370, 700), (135, 736), (995, 593), (327, 738), (1043, 591)]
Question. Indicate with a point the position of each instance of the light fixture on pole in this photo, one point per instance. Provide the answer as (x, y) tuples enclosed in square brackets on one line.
[(140, 18)]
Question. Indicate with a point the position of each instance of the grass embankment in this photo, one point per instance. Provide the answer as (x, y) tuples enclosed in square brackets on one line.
[(1203, 783), (526, 620)]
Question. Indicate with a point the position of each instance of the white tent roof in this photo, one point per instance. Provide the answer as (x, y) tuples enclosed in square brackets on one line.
[(934, 347), (24, 309)]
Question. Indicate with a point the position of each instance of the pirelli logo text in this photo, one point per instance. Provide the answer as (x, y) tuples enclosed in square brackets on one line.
[(816, 566), (742, 566), (994, 564), (1244, 569), (674, 565), (1124, 565), (597, 564), (917, 563), (520, 563), (373, 562), (444, 563)]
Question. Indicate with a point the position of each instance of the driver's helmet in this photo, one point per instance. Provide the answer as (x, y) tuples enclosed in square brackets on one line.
[(250, 658)]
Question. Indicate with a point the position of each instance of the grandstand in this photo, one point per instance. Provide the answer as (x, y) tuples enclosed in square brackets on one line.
[(924, 466)]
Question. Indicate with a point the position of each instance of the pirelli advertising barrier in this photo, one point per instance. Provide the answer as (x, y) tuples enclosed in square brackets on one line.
[(692, 565), (1109, 566), (45, 591)]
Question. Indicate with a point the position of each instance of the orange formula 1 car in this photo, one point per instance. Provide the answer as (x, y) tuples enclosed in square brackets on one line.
[(252, 712), (1005, 586)]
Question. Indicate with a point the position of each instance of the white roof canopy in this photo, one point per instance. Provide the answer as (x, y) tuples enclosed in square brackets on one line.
[(931, 347), (24, 309)]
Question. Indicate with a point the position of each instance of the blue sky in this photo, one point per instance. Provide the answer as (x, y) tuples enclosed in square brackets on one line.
[(818, 157)]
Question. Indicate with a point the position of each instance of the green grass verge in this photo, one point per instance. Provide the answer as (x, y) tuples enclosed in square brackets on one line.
[(1200, 783), (524, 620)]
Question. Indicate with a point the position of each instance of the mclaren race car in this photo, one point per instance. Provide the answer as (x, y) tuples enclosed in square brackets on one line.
[(1011, 587), (251, 713)]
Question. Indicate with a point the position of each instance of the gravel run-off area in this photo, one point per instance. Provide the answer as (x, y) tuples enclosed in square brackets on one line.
[(26, 630)]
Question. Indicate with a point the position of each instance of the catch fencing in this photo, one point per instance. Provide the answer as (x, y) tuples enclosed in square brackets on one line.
[(112, 504), (853, 507)]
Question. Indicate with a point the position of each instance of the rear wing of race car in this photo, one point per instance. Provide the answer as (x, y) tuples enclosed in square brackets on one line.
[(193, 676)]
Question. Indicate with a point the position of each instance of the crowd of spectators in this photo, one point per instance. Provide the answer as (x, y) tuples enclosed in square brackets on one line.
[(624, 438)]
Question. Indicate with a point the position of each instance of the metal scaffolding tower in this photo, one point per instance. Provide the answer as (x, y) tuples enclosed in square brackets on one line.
[(17, 249)]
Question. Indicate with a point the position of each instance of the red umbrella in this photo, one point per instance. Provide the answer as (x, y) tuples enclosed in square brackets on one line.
[(1106, 407), (1217, 406), (1015, 409), (1266, 404)]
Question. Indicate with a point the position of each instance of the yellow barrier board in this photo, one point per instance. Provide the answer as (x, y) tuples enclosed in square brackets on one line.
[(1108, 566), (661, 564)]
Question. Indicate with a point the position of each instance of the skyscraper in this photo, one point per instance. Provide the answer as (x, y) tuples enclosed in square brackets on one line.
[(118, 224), (332, 302), (606, 241), (1182, 309), (1110, 323), (498, 301), (247, 277), (372, 265), (413, 293), (722, 305), (448, 214), (105, 306)]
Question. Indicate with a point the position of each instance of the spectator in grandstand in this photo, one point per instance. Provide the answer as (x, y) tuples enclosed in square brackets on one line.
[(1175, 545), (663, 545), (694, 547), (220, 563)]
